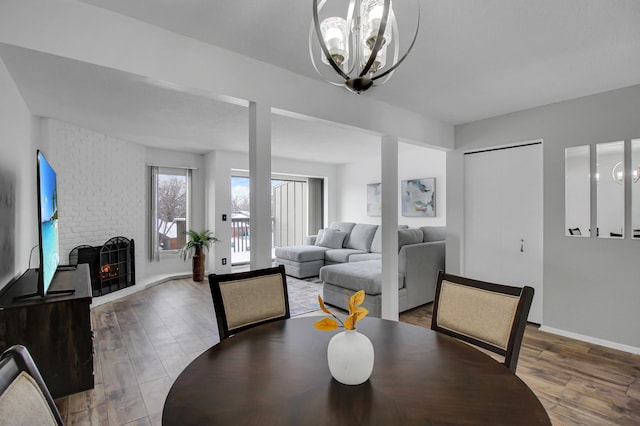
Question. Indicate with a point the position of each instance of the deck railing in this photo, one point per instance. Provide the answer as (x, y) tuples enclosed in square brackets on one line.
[(240, 234)]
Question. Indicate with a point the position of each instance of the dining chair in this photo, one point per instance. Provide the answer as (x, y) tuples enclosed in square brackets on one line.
[(247, 299), (24, 397), (575, 231), (487, 315)]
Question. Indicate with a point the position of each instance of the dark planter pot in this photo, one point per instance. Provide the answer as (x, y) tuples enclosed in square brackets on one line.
[(198, 265)]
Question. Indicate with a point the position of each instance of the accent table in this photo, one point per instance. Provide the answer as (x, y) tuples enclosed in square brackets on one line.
[(277, 374)]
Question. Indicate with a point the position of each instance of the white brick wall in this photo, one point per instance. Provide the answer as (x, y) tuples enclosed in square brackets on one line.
[(101, 187)]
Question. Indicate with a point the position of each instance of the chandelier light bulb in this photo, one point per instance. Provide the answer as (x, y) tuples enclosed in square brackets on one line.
[(379, 62), (372, 12), (334, 33)]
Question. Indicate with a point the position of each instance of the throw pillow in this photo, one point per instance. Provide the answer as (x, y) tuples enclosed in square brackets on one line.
[(332, 238), (433, 233), (361, 236), (409, 236), (319, 236)]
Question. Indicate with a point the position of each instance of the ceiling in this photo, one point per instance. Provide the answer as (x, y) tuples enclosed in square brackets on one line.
[(472, 60), (136, 109)]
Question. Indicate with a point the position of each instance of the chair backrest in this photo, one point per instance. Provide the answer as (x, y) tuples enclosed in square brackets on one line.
[(246, 299), (24, 397), (574, 231), (491, 316)]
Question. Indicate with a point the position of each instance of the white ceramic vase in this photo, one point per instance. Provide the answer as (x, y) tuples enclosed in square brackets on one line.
[(350, 355)]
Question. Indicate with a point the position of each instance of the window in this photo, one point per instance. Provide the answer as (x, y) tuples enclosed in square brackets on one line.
[(170, 206)]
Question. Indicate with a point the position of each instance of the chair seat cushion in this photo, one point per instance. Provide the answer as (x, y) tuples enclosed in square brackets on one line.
[(301, 253), (366, 275)]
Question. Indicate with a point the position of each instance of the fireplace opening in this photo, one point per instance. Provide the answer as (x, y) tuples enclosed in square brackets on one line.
[(111, 265)]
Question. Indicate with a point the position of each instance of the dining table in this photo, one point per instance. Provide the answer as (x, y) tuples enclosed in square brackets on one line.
[(277, 374)]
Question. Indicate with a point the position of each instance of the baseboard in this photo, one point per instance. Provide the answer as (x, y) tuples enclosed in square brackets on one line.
[(594, 340)]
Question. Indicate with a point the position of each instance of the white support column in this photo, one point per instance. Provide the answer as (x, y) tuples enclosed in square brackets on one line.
[(260, 184), (389, 165), (218, 203)]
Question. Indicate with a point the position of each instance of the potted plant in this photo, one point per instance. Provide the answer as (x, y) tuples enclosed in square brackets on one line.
[(196, 243)]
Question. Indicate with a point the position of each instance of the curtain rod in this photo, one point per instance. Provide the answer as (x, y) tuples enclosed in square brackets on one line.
[(172, 167)]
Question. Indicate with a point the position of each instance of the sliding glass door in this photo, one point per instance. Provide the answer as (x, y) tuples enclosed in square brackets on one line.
[(296, 211)]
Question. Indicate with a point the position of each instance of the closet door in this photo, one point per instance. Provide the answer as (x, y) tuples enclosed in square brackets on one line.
[(503, 218)]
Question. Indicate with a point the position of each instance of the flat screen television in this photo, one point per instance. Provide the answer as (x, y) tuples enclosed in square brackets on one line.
[(48, 246), (48, 224)]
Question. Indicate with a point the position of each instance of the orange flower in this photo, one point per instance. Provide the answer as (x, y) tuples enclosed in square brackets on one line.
[(356, 313)]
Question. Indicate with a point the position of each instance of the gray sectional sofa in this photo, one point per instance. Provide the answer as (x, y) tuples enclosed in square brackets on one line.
[(355, 264), (335, 244)]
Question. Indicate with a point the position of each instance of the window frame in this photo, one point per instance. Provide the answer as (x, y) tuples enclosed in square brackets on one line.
[(157, 254)]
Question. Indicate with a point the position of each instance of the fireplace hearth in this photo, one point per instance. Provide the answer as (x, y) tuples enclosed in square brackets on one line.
[(111, 265)]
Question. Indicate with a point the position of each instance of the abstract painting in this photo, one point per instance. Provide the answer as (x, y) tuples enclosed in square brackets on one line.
[(374, 199), (419, 197)]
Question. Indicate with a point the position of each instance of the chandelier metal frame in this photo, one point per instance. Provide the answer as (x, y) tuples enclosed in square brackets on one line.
[(365, 76)]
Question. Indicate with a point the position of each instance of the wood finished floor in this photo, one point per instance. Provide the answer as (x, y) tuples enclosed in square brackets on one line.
[(143, 342)]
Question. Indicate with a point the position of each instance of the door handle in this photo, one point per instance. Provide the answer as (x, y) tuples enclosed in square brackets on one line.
[(521, 246)]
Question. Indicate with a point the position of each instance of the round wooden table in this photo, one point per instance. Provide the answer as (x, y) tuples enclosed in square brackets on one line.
[(278, 374)]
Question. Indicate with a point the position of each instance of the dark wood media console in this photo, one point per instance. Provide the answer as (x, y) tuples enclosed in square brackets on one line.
[(56, 329)]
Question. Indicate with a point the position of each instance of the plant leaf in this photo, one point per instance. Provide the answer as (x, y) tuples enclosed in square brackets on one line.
[(324, 308), (360, 313), (350, 323), (326, 324), (351, 307), (357, 298)]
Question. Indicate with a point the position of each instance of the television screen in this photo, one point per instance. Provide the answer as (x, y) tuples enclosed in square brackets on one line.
[(48, 218)]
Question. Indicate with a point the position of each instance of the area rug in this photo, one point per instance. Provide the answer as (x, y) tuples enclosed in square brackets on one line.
[(303, 295)]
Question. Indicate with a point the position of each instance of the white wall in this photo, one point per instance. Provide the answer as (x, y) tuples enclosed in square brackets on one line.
[(591, 285), (18, 214), (101, 189), (414, 162)]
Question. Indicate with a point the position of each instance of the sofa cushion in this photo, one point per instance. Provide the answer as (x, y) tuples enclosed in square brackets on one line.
[(300, 269), (433, 233), (319, 237), (301, 253), (342, 226), (376, 243), (409, 236), (340, 255), (332, 238), (356, 276), (361, 236), (365, 256)]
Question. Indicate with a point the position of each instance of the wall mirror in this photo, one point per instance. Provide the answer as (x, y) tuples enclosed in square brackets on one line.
[(610, 189), (577, 188), (635, 188)]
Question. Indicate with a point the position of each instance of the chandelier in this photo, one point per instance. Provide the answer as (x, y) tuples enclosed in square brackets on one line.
[(617, 173), (365, 47)]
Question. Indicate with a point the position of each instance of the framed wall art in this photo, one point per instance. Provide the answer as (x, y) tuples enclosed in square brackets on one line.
[(374, 199), (419, 197)]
